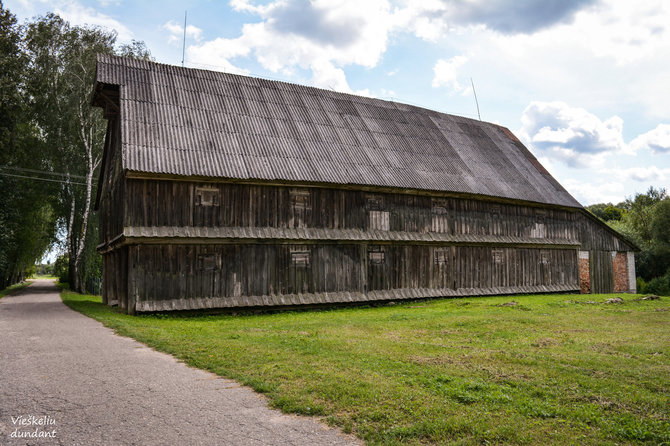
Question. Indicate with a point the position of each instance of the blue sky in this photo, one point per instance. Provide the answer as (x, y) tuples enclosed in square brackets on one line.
[(584, 83)]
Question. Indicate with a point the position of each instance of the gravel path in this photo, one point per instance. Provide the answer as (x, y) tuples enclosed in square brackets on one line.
[(96, 388)]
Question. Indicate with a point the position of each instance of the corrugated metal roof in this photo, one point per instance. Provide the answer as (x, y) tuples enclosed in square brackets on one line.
[(191, 122)]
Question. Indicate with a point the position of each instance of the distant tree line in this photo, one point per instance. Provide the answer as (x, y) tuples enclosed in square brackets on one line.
[(645, 220), (51, 143)]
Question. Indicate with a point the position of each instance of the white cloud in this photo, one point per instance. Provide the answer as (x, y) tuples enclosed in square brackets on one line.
[(446, 73), (624, 30), (324, 74), (612, 55), (426, 19), (107, 3), (597, 192), (321, 36), (656, 140), (640, 174), (216, 54), (571, 135), (387, 94), (77, 14), (432, 19), (177, 32)]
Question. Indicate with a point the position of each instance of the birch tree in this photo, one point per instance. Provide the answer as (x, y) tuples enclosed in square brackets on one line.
[(47, 124), (61, 72)]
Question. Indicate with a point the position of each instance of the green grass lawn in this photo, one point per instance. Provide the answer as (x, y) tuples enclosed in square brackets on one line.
[(552, 369), (14, 288)]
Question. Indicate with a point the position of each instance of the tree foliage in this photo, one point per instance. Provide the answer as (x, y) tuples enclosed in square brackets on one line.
[(27, 217), (49, 126), (607, 211)]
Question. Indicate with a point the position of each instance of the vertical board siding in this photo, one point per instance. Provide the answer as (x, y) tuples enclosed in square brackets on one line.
[(168, 203), (168, 272), (172, 272), (112, 193), (592, 236), (602, 275)]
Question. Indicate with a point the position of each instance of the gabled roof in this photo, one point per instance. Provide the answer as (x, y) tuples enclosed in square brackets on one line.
[(190, 122)]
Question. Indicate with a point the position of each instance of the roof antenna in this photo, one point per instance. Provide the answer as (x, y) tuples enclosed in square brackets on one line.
[(183, 48), (476, 101)]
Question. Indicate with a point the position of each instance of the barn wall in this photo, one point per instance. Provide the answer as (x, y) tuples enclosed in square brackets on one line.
[(112, 203), (166, 276), (605, 266), (115, 277), (528, 249), (594, 237), (178, 203), (602, 272)]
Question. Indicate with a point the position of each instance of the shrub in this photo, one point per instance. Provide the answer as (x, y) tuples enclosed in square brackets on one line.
[(62, 268), (640, 285), (659, 286)]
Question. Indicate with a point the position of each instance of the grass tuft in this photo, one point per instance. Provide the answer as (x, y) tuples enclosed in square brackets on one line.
[(14, 288)]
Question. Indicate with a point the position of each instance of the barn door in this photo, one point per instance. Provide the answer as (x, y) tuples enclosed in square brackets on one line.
[(602, 277)]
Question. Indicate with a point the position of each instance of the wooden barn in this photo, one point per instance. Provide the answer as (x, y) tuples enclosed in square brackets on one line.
[(219, 190)]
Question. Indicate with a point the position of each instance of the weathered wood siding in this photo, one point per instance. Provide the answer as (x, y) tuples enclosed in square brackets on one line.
[(250, 272), (177, 254), (115, 277), (594, 237), (602, 245), (175, 203), (112, 195), (602, 272)]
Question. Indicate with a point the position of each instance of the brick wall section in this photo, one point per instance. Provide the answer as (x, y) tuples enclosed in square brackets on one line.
[(584, 272), (620, 267)]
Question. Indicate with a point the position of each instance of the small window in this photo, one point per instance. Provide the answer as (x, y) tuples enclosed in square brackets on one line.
[(209, 262), (379, 220), (300, 199), (375, 202), (439, 206), (300, 258), (441, 256), (497, 255), (545, 258), (206, 196), (376, 256), (539, 230), (495, 209)]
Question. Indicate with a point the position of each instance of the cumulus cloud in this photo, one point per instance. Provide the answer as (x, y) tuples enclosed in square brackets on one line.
[(431, 19), (595, 192), (177, 32), (656, 140), (217, 54), (516, 16), (321, 36), (324, 36), (570, 134), (640, 174), (446, 73), (77, 14)]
